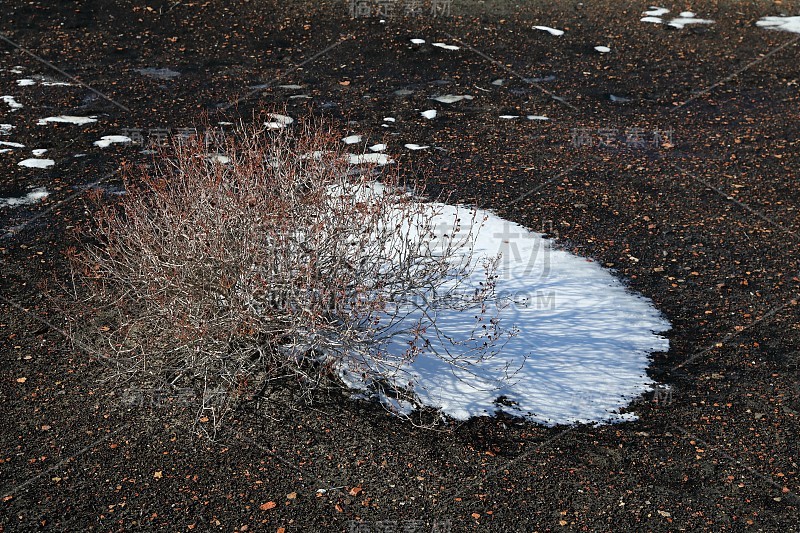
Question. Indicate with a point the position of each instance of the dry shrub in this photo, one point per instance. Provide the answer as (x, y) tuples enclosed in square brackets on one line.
[(284, 262)]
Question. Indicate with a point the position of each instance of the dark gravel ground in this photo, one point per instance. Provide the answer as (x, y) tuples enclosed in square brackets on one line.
[(705, 225)]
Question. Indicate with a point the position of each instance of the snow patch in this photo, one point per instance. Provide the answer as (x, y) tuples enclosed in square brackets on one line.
[(656, 11), (107, 140), (446, 46), (219, 158), (418, 41), (551, 31), (13, 104), (602, 49), (452, 98), (39, 151), (412, 146), (682, 21), (12, 145), (352, 139), (581, 345), (32, 197), (430, 114), (369, 159), (278, 121), (791, 24), (158, 73), (37, 163), (67, 119)]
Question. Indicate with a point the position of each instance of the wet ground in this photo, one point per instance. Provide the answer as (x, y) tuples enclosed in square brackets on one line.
[(671, 159)]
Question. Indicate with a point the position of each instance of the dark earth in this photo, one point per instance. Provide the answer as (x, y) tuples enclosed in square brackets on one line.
[(704, 222)]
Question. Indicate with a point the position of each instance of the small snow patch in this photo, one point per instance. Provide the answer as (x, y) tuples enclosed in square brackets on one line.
[(12, 145), (369, 159), (290, 87), (791, 24), (219, 158), (30, 198), (278, 121), (682, 21), (656, 11), (509, 117), (446, 46), (430, 114), (378, 147), (418, 41), (602, 49), (352, 139), (107, 140), (412, 146), (37, 163), (452, 98), (26, 82), (654, 20), (389, 119), (551, 31), (5, 129), (67, 119), (13, 104), (618, 99), (537, 117), (158, 73), (39, 151)]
